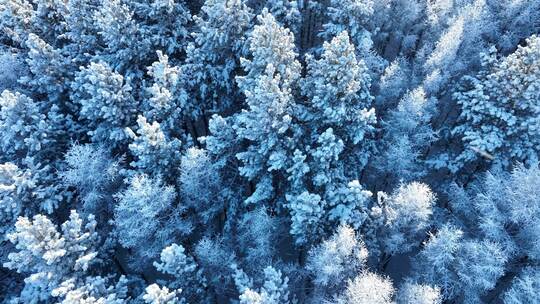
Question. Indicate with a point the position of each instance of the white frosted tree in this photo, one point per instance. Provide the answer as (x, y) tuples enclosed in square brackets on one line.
[(411, 293), (497, 236), (507, 210), (146, 211), (215, 258), (368, 287), (479, 267), (441, 59), (459, 31), (200, 185), (461, 267), (95, 176), (437, 258), (335, 260), (522, 194), (408, 134), (524, 288), (258, 233), (406, 215)]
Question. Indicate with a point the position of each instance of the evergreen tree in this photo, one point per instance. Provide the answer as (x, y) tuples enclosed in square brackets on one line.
[(273, 290), (155, 153), (351, 16), (163, 23), (245, 130), (24, 129), (499, 116), (167, 101), (266, 124), (161, 295), (338, 125), (28, 141), (213, 57), (15, 192), (184, 270), (338, 88), (16, 22), (286, 12), (127, 47), (49, 68), (106, 103), (57, 263)]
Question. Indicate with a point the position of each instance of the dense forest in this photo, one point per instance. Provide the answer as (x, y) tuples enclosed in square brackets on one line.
[(270, 151)]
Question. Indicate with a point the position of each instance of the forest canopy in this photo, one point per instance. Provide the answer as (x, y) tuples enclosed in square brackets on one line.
[(270, 151)]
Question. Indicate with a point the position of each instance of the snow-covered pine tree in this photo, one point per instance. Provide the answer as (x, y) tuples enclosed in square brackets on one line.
[(155, 154), (266, 125), (213, 58), (335, 125), (106, 103), (57, 263), (499, 111)]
